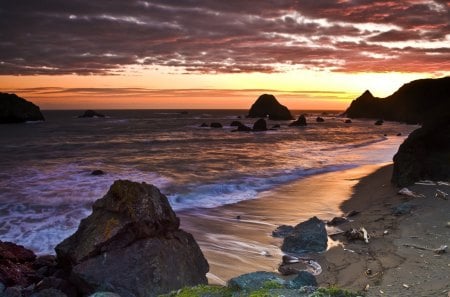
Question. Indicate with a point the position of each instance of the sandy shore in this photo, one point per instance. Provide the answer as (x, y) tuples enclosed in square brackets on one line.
[(237, 238), (393, 263)]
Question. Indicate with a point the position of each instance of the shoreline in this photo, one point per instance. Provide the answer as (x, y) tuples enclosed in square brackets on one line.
[(383, 267), (236, 238)]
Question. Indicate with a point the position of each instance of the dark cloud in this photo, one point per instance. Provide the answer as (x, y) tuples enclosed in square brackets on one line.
[(211, 36)]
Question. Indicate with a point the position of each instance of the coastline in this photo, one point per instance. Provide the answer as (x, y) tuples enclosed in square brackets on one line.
[(236, 238), (383, 267)]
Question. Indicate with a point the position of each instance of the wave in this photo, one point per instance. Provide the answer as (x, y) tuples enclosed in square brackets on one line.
[(239, 189)]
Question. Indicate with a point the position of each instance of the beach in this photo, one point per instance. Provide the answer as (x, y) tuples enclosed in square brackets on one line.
[(237, 238)]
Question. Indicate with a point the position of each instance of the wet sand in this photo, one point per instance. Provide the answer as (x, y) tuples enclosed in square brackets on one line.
[(386, 266), (237, 239)]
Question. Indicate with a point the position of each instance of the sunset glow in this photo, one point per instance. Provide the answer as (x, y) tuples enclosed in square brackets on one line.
[(155, 54)]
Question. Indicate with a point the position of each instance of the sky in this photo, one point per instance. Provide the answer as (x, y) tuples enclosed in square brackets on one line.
[(182, 54)]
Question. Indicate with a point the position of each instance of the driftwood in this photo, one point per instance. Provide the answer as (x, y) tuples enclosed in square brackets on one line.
[(409, 193), (441, 194), (440, 250), (357, 234)]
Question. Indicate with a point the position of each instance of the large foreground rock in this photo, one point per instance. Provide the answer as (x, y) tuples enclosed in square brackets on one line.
[(14, 109), (425, 154), (308, 236), (268, 106), (414, 102), (131, 244)]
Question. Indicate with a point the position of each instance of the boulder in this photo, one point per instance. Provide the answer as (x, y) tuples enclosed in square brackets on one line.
[(14, 109), (260, 125), (16, 265), (308, 236), (425, 154), (300, 122), (379, 123), (254, 280), (282, 231), (414, 102), (91, 114), (303, 279), (243, 128), (216, 125), (268, 106), (348, 121), (131, 244), (320, 120)]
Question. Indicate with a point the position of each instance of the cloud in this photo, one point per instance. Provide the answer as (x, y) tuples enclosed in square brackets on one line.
[(104, 37)]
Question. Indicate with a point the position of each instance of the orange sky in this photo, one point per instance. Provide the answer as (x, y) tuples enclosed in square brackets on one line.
[(218, 54)]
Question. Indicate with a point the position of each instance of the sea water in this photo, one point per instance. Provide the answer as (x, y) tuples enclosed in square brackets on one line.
[(46, 186)]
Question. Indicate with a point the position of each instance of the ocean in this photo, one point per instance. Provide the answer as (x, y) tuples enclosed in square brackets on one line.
[(46, 186)]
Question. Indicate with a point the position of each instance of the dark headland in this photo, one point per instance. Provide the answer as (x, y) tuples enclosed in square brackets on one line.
[(14, 109)]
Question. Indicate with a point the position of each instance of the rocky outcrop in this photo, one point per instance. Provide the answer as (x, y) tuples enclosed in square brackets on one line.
[(414, 102), (260, 125), (425, 154), (308, 236), (16, 265), (91, 114), (131, 244), (268, 106), (14, 109), (300, 122)]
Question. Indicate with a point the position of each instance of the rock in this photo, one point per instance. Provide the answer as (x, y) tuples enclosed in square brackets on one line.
[(352, 213), (320, 120), (131, 244), (268, 106), (399, 134), (260, 125), (308, 236), (424, 155), (12, 292), (243, 128), (49, 293), (379, 122), (104, 294), (337, 221), (282, 231), (236, 124), (216, 125), (14, 109), (348, 121), (91, 114), (300, 122), (203, 125), (254, 280), (303, 279), (97, 172), (403, 208), (414, 102), (16, 265)]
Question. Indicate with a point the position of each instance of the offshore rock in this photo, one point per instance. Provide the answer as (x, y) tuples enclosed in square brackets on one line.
[(91, 114), (131, 245), (216, 125), (320, 120), (308, 236), (260, 125), (14, 109), (425, 154), (268, 106), (300, 122)]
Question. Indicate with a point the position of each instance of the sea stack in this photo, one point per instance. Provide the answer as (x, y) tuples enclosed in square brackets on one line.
[(14, 109), (268, 106), (131, 244)]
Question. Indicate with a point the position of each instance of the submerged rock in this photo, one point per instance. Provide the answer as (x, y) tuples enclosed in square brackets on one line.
[(14, 109), (131, 244), (216, 125), (91, 114), (268, 106), (300, 122), (308, 236)]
